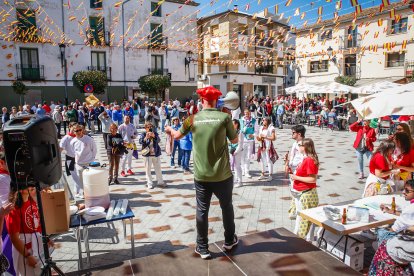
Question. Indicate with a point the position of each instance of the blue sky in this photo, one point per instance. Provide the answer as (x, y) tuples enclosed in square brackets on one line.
[(311, 10)]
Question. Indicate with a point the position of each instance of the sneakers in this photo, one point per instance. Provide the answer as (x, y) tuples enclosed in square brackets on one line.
[(129, 172), (230, 245), (361, 176), (150, 186), (109, 180), (269, 178), (123, 174), (79, 196), (116, 181), (248, 175), (238, 184), (262, 177), (203, 252), (162, 185)]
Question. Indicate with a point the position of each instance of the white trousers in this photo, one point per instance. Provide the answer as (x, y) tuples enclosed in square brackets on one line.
[(136, 121), (125, 158), (265, 160), (78, 178), (237, 159), (149, 162), (247, 153)]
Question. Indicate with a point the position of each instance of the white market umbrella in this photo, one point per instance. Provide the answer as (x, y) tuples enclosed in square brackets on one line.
[(377, 87), (301, 88), (397, 101), (335, 87)]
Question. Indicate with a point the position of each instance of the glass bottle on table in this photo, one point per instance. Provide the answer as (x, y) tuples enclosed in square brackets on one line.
[(393, 205), (344, 216)]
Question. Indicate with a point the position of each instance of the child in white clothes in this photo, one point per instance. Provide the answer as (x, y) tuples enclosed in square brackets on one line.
[(236, 155)]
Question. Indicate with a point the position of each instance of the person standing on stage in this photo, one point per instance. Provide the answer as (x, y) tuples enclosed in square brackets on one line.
[(85, 150), (248, 126), (212, 174), (128, 133)]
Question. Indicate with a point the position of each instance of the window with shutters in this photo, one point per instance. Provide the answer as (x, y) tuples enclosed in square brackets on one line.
[(156, 39), (395, 59), (26, 29), (155, 9), (29, 68), (96, 4), (319, 66), (97, 30), (399, 27), (157, 64)]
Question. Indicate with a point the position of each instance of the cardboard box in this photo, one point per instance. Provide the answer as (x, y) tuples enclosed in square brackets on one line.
[(56, 211), (354, 253)]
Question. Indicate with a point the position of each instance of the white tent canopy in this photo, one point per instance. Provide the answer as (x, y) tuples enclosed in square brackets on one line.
[(393, 101), (376, 87), (301, 88), (336, 88)]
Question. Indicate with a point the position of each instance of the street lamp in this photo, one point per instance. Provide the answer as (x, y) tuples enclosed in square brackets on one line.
[(123, 47), (330, 52), (189, 57), (63, 62)]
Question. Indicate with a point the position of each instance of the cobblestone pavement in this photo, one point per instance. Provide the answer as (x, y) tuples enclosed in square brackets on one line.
[(165, 218)]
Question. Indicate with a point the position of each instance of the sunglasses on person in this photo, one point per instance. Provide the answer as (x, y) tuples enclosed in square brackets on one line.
[(78, 130), (407, 191)]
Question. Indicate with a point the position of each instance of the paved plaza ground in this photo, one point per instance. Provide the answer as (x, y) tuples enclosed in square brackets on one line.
[(165, 218)]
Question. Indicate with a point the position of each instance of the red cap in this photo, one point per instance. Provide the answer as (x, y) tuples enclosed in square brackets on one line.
[(209, 93)]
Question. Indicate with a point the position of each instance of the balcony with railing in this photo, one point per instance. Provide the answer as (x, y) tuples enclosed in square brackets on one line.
[(157, 42), (352, 70), (30, 72), (98, 37), (105, 69), (156, 71), (346, 43), (264, 42), (264, 69)]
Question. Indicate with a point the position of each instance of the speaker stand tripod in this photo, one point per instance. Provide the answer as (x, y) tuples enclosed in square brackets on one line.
[(48, 264)]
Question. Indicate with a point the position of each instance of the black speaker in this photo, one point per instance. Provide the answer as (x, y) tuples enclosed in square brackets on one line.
[(32, 151)]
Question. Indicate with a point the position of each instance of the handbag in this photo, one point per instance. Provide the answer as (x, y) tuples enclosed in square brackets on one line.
[(273, 156), (145, 151), (260, 150)]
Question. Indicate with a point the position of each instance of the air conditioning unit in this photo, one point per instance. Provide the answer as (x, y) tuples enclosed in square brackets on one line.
[(202, 77)]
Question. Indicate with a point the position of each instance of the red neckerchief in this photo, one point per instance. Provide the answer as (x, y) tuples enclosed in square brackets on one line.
[(71, 134), (412, 201), (4, 172)]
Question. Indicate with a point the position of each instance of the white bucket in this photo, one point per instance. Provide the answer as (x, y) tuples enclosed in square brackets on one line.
[(95, 186)]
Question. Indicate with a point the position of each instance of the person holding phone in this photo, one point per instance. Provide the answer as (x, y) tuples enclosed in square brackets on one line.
[(151, 152)]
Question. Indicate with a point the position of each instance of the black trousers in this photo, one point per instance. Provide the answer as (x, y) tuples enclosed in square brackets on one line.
[(105, 139), (224, 192)]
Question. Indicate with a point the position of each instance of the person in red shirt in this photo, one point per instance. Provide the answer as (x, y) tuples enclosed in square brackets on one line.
[(23, 224), (46, 108), (404, 156), (304, 186), (380, 169), (364, 142)]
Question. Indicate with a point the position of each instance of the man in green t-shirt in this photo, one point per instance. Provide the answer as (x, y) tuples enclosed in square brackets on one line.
[(212, 174)]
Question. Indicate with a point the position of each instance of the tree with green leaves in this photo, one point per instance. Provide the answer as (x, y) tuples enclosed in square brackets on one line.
[(97, 79), (154, 85), (20, 89), (347, 80)]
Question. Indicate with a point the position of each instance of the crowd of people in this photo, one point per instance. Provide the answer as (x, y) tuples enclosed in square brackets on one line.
[(222, 145)]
